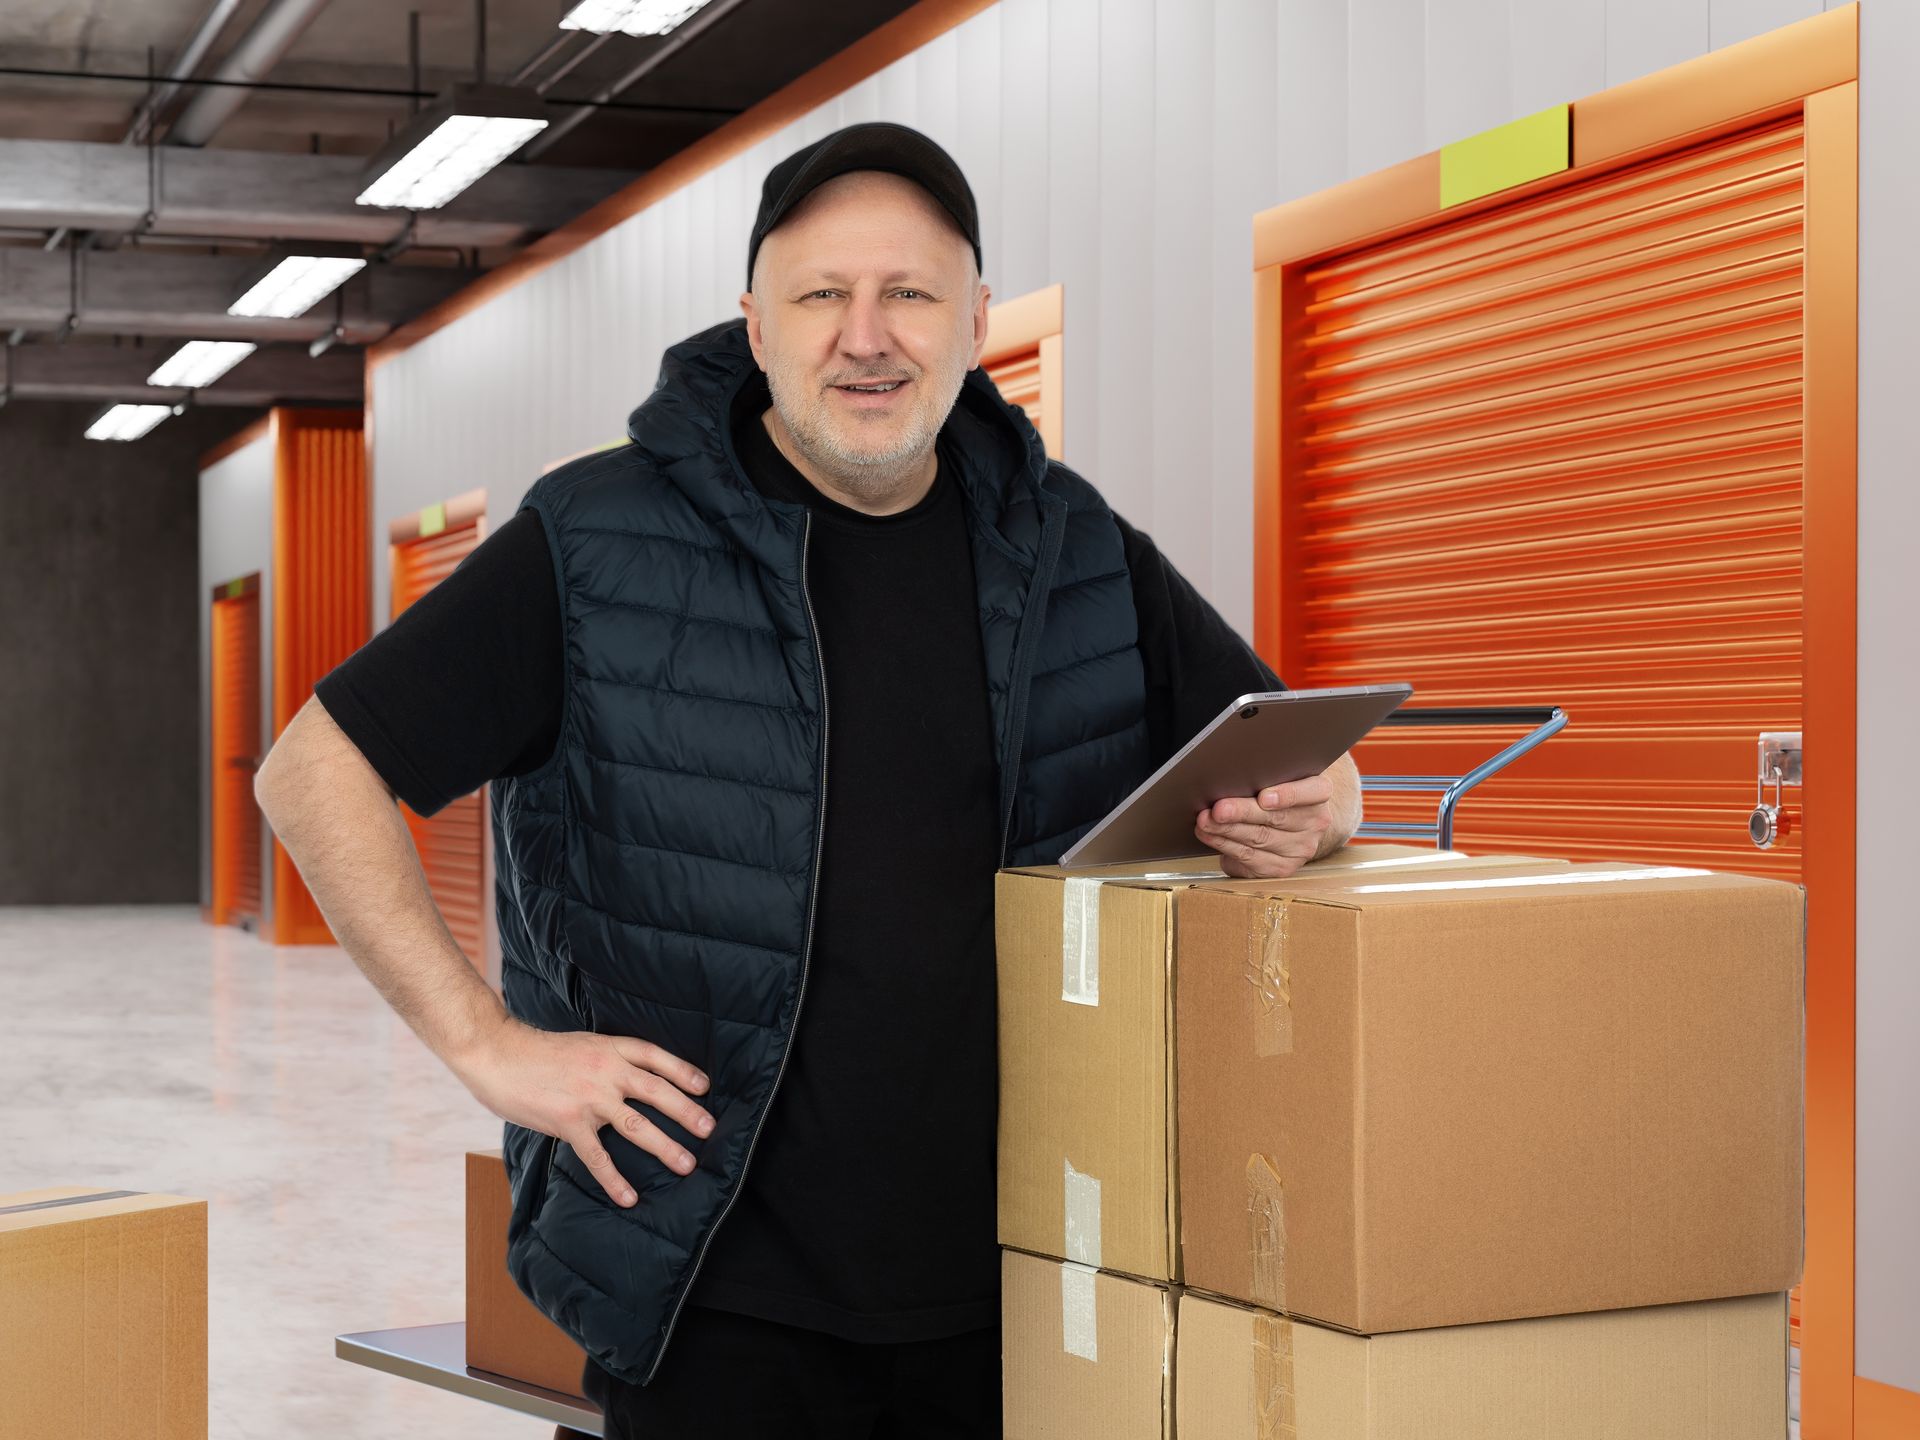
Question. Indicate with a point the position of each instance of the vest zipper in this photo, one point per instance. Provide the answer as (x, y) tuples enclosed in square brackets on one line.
[(806, 951)]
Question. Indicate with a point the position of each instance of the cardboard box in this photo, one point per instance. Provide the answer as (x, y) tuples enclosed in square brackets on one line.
[(1084, 1352), (1087, 1110), (1711, 1370), (103, 1320), (1411, 1102), (1091, 1353), (506, 1332)]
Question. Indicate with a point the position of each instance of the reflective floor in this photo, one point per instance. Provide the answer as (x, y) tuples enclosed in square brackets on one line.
[(142, 1049)]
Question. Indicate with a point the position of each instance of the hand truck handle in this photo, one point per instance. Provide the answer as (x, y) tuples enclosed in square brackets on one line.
[(1546, 720)]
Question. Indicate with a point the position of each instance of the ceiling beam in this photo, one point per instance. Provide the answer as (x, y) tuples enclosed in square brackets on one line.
[(115, 373), (249, 194), (148, 292)]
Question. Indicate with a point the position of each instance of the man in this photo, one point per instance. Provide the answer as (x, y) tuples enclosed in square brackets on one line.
[(766, 696)]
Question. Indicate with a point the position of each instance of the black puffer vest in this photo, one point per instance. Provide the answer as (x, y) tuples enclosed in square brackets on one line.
[(656, 876)]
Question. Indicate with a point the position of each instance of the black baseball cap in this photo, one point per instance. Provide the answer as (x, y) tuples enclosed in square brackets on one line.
[(873, 145)]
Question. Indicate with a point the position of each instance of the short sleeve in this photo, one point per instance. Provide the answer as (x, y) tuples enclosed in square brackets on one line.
[(466, 686)]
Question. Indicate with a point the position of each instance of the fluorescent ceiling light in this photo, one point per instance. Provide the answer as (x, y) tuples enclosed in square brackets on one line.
[(200, 362), (633, 17), (296, 285), (127, 422), (458, 152), (451, 144)]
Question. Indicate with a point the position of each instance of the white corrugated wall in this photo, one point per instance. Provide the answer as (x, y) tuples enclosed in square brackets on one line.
[(1121, 147), (236, 539), (1886, 1057)]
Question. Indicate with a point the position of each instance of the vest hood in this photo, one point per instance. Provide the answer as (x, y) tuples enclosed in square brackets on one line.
[(684, 427)]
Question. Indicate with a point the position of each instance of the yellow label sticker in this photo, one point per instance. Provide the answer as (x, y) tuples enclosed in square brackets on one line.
[(433, 519), (1507, 155)]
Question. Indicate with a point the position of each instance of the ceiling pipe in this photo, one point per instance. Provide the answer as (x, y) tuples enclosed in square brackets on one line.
[(191, 54), (553, 47), (566, 68), (682, 37), (195, 50), (256, 53)]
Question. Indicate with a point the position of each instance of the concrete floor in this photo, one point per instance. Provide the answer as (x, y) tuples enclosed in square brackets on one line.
[(142, 1049)]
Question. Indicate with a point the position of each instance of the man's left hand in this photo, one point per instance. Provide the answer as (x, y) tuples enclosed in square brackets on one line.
[(1270, 835)]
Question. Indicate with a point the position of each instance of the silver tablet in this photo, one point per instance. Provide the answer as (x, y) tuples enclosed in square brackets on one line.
[(1257, 741)]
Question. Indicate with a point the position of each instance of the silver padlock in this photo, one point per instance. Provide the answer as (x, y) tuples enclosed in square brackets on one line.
[(1764, 825), (1779, 762)]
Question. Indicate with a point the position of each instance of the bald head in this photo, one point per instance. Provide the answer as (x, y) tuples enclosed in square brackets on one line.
[(866, 311)]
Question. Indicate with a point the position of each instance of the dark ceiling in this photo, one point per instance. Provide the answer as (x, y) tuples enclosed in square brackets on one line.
[(110, 253)]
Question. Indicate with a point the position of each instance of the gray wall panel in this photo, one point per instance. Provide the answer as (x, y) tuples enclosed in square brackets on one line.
[(977, 128), (1073, 203), (1386, 83), (861, 103), (1887, 1209), (1559, 52), (1310, 91), (1180, 348), (937, 74), (1729, 21), (236, 539), (1469, 68), (1124, 296), (1648, 35), (1025, 174), (1246, 177)]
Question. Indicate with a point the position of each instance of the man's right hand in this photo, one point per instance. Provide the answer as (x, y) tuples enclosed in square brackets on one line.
[(569, 1084)]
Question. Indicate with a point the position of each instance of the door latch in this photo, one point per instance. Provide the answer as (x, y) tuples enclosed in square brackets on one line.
[(1779, 766)]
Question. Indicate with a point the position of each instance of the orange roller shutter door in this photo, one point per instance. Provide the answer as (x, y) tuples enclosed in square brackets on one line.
[(451, 842), (1552, 453)]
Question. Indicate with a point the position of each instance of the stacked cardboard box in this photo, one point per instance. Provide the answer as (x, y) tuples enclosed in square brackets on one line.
[(1088, 1127), (1421, 1103), (1146, 1362), (103, 1315)]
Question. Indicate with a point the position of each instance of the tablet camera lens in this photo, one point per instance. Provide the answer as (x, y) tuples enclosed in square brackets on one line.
[(1249, 712)]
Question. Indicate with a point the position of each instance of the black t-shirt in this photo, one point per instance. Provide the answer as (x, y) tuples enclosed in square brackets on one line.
[(869, 1208)]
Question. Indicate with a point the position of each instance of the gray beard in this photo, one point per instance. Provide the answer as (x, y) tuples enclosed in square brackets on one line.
[(873, 477)]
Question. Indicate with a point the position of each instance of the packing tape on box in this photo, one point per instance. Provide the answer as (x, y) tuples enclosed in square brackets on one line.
[(1273, 1406), (1266, 1233), (1080, 930), (1266, 970), (89, 1198), (1079, 1318), (1081, 1193), (1080, 940)]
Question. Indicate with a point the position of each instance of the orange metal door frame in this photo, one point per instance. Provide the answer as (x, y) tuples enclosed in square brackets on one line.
[(1811, 69), (1025, 353), (233, 716)]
